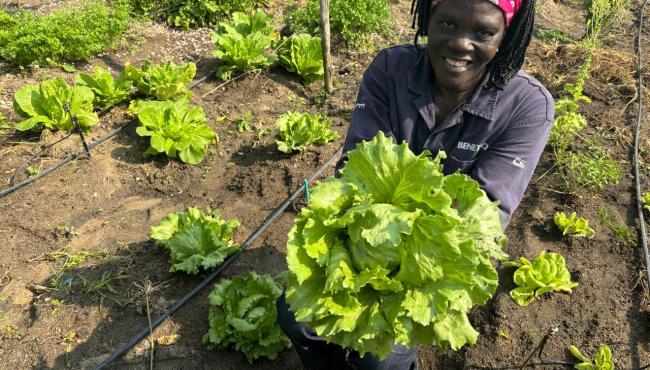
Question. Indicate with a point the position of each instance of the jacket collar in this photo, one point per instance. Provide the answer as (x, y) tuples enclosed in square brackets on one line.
[(481, 103)]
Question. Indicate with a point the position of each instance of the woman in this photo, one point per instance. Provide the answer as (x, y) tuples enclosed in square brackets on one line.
[(464, 94)]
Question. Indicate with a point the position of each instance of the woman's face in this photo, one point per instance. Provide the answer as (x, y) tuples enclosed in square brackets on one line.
[(464, 36)]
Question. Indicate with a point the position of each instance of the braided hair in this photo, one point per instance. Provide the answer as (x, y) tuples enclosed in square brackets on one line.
[(510, 56)]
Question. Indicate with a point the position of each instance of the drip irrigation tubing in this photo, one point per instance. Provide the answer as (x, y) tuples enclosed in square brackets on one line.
[(637, 177), (74, 156), (182, 301)]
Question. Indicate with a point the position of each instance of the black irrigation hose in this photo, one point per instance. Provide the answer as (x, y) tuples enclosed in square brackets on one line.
[(64, 161), (181, 302), (637, 177)]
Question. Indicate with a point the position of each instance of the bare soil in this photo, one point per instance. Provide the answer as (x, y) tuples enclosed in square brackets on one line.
[(102, 207)]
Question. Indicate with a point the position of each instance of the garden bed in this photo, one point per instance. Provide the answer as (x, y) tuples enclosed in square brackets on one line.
[(82, 232)]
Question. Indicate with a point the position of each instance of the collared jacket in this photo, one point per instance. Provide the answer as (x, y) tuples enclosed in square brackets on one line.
[(496, 136)]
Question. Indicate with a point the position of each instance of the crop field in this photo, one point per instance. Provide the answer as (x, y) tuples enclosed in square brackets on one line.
[(82, 272)]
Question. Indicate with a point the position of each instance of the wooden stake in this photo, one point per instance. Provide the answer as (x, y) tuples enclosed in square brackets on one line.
[(325, 42)]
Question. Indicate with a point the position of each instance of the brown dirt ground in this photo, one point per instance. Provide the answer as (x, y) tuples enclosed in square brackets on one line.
[(105, 205)]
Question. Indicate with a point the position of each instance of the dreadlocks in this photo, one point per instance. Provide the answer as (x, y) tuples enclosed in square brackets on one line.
[(510, 56)]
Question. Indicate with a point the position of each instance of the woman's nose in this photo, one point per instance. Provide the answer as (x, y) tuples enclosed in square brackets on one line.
[(461, 43)]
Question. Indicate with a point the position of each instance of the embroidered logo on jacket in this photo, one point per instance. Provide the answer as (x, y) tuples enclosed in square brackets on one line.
[(519, 162), (472, 147)]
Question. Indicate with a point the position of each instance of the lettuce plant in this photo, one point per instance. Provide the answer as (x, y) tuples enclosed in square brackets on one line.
[(547, 273), (303, 54), (297, 131), (243, 44), (164, 81), (108, 90), (602, 361), (196, 239), (573, 225), (243, 315), (645, 200), (175, 129), (393, 251), (43, 106)]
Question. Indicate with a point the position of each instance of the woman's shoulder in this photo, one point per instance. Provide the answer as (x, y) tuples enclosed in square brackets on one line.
[(400, 56), (530, 94)]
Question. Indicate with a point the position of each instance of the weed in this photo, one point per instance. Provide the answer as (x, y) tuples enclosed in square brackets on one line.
[(245, 122), (601, 14), (3, 125), (531, 334), (593, 168), (618, 228), (72, 260), (56, 304), (553, 36), (103, 284), (32, 171)]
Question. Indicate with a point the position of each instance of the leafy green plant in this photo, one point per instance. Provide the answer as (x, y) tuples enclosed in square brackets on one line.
[(351, 19), (4, 125), (194, 13), (602, 361), (72, 34), (568, 122), (602, 13), (243, 43), (592, 168), (645, 200), (573, 225), (163, 81), (243, 124), (243, 315), (554, 36), (547, 273), (303, 54), (176, 129), (196, 239), (297, 131), (393, 251), (108, 90), (616, 225), (43, 106)]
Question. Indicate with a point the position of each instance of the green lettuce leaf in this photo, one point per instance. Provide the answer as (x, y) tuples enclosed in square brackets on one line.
[(108, 90), (393, 251), (243, 315), (42, 106), (164, 81), (547, 273), (602, 361), (176, 129), (244, 43), (573, 225), (303, 54), (297, 131), (196, 239)]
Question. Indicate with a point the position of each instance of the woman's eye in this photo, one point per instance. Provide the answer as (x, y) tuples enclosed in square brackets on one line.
[(485, 34), (446, 25)]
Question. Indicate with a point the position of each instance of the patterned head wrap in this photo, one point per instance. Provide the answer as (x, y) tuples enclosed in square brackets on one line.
[(509, 7)]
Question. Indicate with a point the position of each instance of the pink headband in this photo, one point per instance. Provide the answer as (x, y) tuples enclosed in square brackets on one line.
[(509, 7)]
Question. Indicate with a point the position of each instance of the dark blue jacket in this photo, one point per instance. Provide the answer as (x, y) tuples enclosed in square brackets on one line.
[(496, 136)]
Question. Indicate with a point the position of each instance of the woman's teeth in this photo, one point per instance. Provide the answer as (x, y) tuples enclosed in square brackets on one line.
[(456, 62)]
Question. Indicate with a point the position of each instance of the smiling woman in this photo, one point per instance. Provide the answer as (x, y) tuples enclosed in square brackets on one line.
[(464, 94)]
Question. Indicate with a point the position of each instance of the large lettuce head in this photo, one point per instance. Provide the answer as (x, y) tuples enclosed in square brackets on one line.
[(393, 251)]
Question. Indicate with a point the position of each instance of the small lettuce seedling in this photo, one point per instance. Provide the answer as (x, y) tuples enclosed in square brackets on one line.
[(602, 361), (243, 315), (108, 90), (573, 225), (196, 239), (303, 54), (243, 44), (176, 129), (44, 106), (547, 273), (297, 131), (163, 81)]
